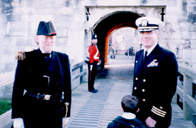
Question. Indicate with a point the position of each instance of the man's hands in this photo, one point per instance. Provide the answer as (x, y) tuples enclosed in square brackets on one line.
[(18, 123), (150, 122)]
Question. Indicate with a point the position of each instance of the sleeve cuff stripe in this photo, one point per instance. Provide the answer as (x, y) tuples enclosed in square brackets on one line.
[(162, 115), (158, 110)]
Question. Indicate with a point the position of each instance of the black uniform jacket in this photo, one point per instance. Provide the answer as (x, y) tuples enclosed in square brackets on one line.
[(29, 78), (121, 122), (155, 83)]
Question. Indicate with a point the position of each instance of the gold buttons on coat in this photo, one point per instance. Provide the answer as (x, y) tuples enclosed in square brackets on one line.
[(144, 80), (144, 100), (143, 90)]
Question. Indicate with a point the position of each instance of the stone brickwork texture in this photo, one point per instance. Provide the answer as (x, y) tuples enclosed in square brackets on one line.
[(19, 20)]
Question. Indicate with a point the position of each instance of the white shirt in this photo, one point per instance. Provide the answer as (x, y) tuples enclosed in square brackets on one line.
[(150, 49), (128, 115)]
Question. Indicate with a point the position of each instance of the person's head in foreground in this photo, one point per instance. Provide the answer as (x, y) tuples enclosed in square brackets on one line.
[(129, 104)]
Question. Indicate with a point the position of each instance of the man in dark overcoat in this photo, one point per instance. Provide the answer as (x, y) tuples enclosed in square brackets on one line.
[(42, 84), (155, 76)]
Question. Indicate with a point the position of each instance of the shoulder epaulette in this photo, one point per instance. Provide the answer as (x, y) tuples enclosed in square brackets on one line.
[(20, 55)]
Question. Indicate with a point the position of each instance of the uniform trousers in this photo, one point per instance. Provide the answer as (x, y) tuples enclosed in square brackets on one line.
[(91, 76)]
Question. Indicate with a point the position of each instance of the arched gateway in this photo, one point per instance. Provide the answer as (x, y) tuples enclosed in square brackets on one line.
[(104, 27)]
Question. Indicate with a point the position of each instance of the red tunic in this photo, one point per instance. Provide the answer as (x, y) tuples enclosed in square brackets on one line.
[(93, 53)]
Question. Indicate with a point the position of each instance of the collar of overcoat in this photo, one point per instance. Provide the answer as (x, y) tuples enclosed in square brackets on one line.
[(53, 62)]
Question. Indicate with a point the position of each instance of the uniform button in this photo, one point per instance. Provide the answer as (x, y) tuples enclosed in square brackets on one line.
[(161, 107), (135, 88), (136, 61), (144, 100), (136, 78), (144, 80), (143, 90)]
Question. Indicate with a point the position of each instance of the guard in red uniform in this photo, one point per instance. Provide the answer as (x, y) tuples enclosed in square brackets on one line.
[(92, 65)]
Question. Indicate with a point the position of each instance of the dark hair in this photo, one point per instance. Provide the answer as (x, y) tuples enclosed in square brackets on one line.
[(129, 103)]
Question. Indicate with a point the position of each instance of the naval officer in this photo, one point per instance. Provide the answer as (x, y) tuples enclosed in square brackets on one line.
[(42, 75), (155, 75)]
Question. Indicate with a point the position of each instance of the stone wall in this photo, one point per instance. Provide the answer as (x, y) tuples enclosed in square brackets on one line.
[(19, 20)]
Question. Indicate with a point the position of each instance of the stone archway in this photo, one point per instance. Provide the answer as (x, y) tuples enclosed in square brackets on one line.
[(104, 27)]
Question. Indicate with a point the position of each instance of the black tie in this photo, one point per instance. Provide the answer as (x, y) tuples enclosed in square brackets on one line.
[(145, 56)]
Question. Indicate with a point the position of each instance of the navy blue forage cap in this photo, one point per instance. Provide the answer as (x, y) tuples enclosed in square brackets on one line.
[(94, 36), (148, 24), (46, 29)]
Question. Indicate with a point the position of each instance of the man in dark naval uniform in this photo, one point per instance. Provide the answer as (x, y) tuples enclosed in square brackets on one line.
[(155, 76), (42, 76)]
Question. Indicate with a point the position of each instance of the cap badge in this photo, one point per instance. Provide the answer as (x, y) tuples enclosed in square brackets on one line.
[(144, 23)]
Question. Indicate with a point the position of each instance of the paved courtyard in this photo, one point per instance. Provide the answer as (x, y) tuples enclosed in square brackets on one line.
[(96, 110)]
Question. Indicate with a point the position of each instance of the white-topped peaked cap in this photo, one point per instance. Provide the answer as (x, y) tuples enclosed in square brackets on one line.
[(147, 24)]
